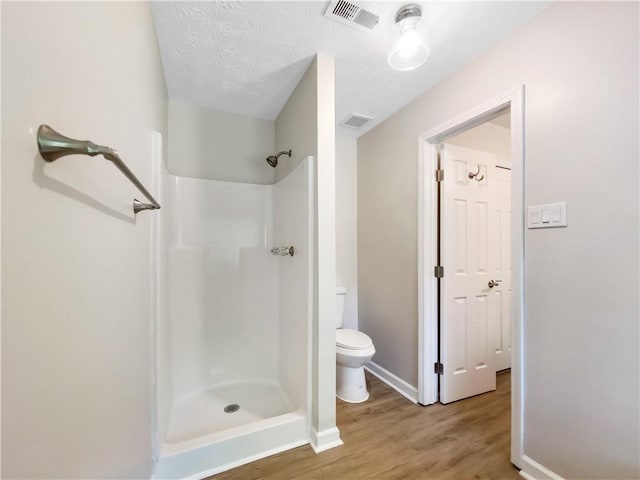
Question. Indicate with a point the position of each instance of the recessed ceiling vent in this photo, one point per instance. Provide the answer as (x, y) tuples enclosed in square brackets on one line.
[(356, 121), (349, 13)]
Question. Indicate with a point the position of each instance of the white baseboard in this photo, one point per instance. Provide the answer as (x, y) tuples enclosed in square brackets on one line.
[(321, 441), (403, 388), (532, 470)]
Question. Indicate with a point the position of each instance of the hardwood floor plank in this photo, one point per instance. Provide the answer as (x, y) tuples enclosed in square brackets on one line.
[(388, 437)]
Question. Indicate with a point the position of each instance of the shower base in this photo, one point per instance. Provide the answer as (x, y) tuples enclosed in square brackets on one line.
[(204, 412), (203, 440)]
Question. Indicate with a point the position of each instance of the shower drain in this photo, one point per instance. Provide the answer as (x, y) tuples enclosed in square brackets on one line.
[(234, 407)]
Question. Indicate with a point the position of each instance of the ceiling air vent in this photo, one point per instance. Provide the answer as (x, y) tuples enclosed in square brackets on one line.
[(356, 121), (349, 13)]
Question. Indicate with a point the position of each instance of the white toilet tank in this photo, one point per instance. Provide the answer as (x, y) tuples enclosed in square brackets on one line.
[(341, 295)]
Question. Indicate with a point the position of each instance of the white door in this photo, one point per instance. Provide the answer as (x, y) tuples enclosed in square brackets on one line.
[(500, 295), (466, 207)]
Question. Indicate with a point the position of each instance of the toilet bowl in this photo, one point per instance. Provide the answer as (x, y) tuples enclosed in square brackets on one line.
[(353, 350)]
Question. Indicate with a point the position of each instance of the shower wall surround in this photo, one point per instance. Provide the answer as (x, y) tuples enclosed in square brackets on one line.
[(246, 339), (234, 321)]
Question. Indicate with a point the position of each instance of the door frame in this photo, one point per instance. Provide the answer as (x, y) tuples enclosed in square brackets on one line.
[(427, 238)]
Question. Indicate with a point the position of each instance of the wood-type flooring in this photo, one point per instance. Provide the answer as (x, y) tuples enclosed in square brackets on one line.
[(389, 437)]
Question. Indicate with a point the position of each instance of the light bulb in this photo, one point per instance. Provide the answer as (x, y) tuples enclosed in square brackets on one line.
[(408, 43), (409, 51)]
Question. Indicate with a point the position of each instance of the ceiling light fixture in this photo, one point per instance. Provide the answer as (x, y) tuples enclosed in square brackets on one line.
[(409, 51)]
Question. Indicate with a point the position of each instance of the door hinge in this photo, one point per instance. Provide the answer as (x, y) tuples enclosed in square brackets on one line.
[(438, 271), (438, 368), (439, 175)]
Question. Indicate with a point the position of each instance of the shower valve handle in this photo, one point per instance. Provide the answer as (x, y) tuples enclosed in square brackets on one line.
[(283, 251)]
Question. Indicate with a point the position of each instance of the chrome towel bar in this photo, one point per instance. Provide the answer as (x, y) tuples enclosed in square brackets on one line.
[(53, 145)]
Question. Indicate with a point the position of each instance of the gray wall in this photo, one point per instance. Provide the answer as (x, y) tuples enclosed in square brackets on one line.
[(347, 224), (76, 318), (581, 283), (207, 143)]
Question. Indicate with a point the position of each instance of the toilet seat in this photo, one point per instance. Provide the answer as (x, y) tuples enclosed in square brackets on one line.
[(353, 339)]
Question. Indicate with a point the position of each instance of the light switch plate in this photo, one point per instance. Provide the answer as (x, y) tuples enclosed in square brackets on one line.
[(551, 215)]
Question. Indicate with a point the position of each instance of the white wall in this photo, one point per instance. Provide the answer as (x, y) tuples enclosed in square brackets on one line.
[(581, 408), (297, 123), (76, 318), (306, 124), (207, 143), (324, 337), (294, 126), (347, 224)]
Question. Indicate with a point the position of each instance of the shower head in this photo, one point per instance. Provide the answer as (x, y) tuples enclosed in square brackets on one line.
[(273, 159)]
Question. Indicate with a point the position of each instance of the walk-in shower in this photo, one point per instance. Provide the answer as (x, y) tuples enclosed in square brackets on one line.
[(273, 159), (234, 321)]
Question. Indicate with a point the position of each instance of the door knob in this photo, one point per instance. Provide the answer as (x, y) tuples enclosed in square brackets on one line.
[(494, 283)]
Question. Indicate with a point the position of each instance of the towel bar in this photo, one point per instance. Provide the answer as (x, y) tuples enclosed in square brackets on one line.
[(53, 145)]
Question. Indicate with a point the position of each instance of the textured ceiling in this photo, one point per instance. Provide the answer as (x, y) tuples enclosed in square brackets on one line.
[(247, 57)]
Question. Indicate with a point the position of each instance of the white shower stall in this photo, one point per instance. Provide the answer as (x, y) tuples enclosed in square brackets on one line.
[(234, 321)]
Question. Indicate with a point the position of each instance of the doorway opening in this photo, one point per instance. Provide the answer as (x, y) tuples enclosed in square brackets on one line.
[(478, 197), (473, 248)]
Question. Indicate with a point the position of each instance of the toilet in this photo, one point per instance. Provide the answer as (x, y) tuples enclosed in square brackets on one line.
[(353, 350)]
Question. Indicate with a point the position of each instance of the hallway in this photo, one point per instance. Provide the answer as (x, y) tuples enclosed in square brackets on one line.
[(388, 437)]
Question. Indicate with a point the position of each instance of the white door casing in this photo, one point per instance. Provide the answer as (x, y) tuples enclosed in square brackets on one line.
[(467, 212), (428, 379), (500, 251)]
